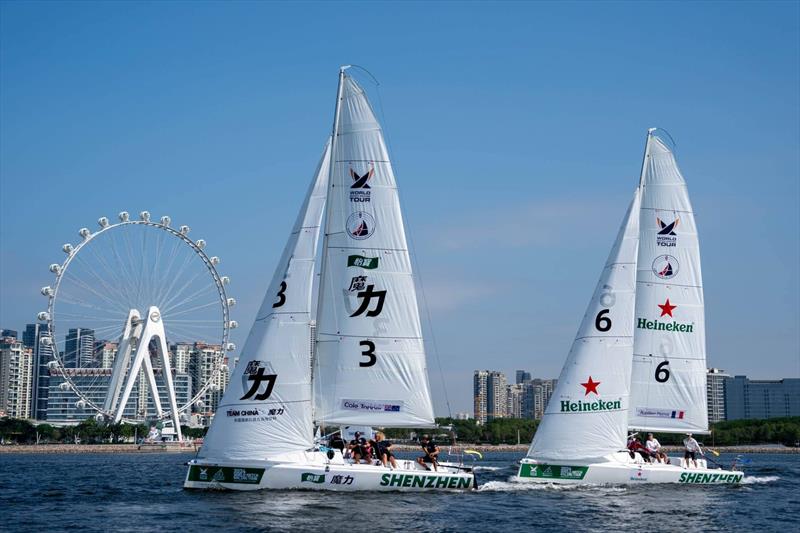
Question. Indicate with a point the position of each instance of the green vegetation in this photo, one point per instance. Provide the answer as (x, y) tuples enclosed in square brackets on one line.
[(87, 432)]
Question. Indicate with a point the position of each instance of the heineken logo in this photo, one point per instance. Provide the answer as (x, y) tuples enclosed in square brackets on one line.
[(666, 233), (686, 477), (590, 386), (588, 407), (667, 309), (425, 482), (370, 263), (309, 477)]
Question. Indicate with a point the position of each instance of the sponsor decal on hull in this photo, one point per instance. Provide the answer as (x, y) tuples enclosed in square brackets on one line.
[(310, 477), (690, 477), (552, 471), (425, 482), (226, 474)]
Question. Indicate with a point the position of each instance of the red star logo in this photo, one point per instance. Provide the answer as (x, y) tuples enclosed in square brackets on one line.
[(591, 386), (666, 308)]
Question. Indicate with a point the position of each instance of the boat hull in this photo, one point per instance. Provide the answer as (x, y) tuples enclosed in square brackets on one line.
[(315, 474), (619, 469)]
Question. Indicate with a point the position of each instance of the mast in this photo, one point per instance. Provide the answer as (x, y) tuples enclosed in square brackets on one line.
[(327, 226)]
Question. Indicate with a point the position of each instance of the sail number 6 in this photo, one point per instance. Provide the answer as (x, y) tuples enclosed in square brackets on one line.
[(601, 321), (662, 373), (369, 352)]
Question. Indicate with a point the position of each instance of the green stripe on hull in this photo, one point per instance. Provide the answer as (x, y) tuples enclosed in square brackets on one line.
[(552, 471), (225, 474), (701, 478)]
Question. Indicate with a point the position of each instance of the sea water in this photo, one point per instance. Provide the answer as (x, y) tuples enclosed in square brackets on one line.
[(143, 492)]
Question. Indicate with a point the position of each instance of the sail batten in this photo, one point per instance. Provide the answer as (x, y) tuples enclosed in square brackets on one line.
[(266, 409), (370, 364), (668, 379)]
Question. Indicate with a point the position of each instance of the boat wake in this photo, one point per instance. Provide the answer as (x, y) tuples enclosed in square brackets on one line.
[(514, 486), (489, 468), (750, 480)]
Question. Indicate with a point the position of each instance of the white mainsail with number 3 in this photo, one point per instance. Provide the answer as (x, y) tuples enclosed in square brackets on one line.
[(266, 409), (587, 415), (370, 361), (668, 382)]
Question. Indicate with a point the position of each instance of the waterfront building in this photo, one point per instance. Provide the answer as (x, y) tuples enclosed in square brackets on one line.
[(16, 377), (496, 395), (514, 400), (42, 355), (536, 393), (761, 399), (715, 392), (8, 333), (107, 351), (463, 416), (522, 376), (79, 348), (180, 355), (202, 366), (479, 395)]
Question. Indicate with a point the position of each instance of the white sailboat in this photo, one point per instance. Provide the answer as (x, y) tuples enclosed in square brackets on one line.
[(638, 360), (369, 366)]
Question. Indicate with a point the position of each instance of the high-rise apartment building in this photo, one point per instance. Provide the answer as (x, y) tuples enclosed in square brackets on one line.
[(715, 392), (16, 378), (496, 391), (479, 395), (522, 376), (514, 400), (79, 348), (42, 356)]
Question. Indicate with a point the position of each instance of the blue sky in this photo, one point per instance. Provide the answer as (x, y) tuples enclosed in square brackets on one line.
[(516, 132)]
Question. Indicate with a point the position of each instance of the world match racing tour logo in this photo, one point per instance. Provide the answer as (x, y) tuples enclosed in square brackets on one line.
[(579, 406), (667, 309), (666, 232), (360, 189)]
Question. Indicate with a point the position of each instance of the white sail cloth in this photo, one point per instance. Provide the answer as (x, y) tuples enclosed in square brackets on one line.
[(266, 410), (668, 382), (587, 415), (370, 362)]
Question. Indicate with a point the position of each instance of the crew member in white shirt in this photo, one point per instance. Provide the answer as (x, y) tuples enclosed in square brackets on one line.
[(692, 449), (654, 448)]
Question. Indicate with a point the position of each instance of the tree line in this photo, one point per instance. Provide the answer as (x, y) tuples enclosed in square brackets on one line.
[(784, 431)]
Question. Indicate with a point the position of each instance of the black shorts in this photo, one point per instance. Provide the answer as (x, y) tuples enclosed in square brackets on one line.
[(387, 453), (689, 455), (428, 459), (360, 451)]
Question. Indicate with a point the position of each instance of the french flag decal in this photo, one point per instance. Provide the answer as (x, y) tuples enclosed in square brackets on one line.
[(678, 414)]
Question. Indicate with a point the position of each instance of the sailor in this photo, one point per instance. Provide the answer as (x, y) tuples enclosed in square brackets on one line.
[(431, 453), (383, 449), (654, 449), (634, 446), (692, 448), (358, 447), (336, 442)]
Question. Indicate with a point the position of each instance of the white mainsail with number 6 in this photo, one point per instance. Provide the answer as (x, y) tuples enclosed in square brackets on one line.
[(370, 359), (587, 415), (668, 382)]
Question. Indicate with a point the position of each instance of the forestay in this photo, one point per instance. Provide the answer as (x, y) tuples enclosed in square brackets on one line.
[(266, 409), (370, 362), (587, 415), (668, 382)]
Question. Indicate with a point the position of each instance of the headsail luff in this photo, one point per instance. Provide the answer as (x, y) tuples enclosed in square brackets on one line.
[(587, 414), (370, 361), (266, 409), (668, 381)]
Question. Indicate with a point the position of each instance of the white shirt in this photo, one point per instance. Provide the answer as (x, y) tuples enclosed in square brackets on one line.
[(653, 445), (691, 444)]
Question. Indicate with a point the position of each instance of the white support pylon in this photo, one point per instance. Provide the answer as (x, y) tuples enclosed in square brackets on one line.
[(153, 329), (133, 330)]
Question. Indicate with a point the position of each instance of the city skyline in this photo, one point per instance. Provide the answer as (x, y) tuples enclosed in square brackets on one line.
[(516, 152)]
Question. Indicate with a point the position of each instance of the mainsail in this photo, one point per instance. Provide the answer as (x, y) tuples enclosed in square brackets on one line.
[(587, 415), (668, 382), (266, 409), (370, 359)]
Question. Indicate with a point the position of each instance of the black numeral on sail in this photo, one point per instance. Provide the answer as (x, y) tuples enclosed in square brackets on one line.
[(369, 352), (281, 296), (662, 373), (601, 321)]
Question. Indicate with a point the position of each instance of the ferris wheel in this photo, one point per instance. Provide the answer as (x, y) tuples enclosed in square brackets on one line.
[(138, 317)]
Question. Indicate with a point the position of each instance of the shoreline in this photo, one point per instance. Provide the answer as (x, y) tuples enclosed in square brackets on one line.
[(191, 448)]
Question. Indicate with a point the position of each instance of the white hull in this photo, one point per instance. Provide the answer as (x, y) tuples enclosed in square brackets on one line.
[(314, 471), (620, 469)]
